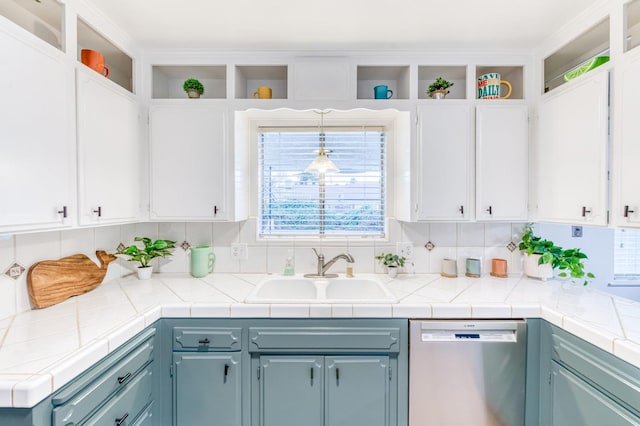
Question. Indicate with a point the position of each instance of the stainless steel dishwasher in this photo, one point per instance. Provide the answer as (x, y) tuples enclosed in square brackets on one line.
[(467, 373)]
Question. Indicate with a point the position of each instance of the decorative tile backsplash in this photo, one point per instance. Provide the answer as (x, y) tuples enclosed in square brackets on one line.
[(432, 242)]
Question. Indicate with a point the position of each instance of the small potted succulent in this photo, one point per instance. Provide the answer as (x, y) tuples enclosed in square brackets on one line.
[(392, 262), (151, 250), (438, 89), (193, 88)]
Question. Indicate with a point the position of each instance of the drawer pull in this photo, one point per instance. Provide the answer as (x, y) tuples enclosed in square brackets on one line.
[(337, 376), (204, 341), (627, 211), (124, 378), (122, 419)]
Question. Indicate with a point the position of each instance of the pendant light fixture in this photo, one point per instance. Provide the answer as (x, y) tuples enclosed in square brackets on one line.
[(322, 164)]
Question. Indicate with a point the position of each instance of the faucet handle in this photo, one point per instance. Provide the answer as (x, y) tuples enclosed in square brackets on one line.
[(316, 252)]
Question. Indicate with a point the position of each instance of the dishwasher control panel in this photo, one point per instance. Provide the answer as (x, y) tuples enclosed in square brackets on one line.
[(475, 336)]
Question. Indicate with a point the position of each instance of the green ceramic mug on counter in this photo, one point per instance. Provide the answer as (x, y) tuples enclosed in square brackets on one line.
[(202, 261)]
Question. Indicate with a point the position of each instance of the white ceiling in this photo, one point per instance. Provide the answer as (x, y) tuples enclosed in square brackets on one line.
[(341, 24)]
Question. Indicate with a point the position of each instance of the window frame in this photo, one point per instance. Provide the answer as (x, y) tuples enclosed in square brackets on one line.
[(255, 119)]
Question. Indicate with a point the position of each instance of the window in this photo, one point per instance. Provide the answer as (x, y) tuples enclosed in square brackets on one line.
[(345, 203), (626, 256)]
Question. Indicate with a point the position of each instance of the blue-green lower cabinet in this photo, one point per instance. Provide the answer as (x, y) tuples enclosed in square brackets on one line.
[(291, 390), (577, 403), (583, 385), (207, 389), (324, 390)]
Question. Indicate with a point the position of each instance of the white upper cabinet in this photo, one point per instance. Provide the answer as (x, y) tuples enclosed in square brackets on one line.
[(572, 152), (108, 151), (322, 78), (188, 161), (445, 166), (37, 164), (626, 176), (502, 162)]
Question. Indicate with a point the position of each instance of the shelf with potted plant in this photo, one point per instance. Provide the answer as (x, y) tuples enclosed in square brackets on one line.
[(169, 81), (454, 75), (542, 257)]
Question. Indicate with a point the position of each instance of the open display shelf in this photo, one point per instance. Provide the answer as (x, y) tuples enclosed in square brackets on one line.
[(120, 64), (250, 77), (395, 77), (456, 74), (168, 80), (588, 46), (42, 18), (513, 74), (632, 36)]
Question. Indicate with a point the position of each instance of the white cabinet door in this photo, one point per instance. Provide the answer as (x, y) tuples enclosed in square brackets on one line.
[(445, 167), (188, 154), (502, 162), (37, 164), (108, 151), (626, 203), (572, 156)]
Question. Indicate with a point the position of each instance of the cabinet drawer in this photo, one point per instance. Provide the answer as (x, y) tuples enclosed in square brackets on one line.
[(207, 339), (122, 409), (76, 402), (578, 403), (614, 376), (146, 417), (314, 339)]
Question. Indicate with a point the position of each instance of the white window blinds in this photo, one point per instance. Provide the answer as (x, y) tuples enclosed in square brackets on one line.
[(291, 199), (626, 256)]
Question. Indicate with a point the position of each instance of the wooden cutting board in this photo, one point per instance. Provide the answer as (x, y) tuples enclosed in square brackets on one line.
[(53, 281)]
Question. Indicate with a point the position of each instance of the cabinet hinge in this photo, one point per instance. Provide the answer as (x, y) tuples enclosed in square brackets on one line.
[(549, 377), (258, 373), (390, 373), (171, 370), (608, 216)]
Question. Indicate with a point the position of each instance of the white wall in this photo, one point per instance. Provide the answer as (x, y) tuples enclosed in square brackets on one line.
[(451, 240)]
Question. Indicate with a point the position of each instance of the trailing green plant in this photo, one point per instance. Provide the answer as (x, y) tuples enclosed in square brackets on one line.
[(151, 250), (570, 262), (439, 84), (193, 84), (391, 260)]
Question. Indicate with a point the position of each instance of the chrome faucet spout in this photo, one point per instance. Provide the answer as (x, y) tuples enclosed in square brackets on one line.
[(323, 267)]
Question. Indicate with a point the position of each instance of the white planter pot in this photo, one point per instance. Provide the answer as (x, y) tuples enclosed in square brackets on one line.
[(533, 270), (144, 273), (392, 271)]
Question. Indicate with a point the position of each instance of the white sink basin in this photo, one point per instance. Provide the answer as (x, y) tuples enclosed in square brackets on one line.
[(298, 289)]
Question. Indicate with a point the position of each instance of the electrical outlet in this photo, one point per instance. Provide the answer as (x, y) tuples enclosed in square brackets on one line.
[(239, 252), (405, 250), (576, 231)]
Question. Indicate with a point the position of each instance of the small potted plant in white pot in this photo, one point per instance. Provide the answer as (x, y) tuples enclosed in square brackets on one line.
[(193, 88), (438, 89), (151, 250), (392, 262), (542, 256)]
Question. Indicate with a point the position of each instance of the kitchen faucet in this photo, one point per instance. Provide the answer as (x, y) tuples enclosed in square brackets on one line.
[(322, 267)]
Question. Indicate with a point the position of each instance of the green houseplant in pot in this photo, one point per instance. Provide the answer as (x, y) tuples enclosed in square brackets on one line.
[(151, 250), (193, 88), (438, 89), (392, 262), (542, 256)]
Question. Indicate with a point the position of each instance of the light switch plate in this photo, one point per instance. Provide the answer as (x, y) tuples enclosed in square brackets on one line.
[(239, 252)]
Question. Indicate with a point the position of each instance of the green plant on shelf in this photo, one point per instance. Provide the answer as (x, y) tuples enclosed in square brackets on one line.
[(193, 84)]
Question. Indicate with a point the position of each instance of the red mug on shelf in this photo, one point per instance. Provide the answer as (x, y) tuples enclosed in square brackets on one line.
[(94, 60)]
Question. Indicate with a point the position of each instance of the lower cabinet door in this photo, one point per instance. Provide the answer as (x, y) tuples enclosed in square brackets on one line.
[(576, 403), (357, 391), (291, 389), (207, 389)]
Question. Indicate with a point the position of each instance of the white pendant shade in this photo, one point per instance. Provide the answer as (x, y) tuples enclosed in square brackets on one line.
[(322, 164)]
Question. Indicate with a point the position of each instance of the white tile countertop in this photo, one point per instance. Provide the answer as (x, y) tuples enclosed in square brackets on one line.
[(42, 350)]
